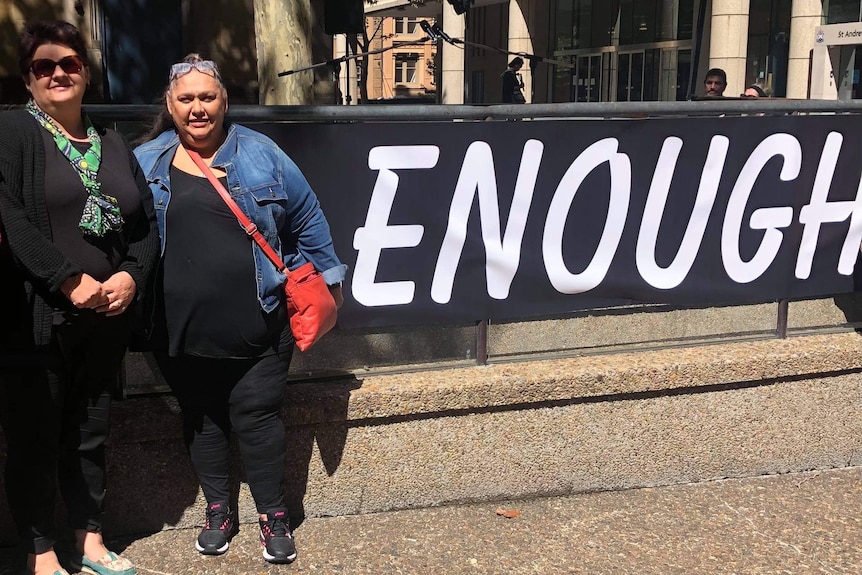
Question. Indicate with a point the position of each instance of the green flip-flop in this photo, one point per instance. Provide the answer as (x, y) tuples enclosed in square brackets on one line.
[(109, 564)]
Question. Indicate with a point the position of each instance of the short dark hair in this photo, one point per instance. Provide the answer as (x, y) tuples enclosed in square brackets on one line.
[(716, 72), (36, 34), (761, 93), (516, 61)]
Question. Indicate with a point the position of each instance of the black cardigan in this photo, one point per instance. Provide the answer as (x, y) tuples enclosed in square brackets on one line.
[(27, 230)]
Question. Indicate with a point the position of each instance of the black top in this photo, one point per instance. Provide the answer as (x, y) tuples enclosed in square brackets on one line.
[(511, 84), (210, 306), (30, 282), (65, 196)]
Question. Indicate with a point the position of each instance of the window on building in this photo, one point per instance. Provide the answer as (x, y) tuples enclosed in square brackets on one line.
[(638, 22), (617, 55), (582, 24), (768, 45), (647, 21), (406, 25), (840, 11), (406, 71), (565, 34), (685, 20), (683, 73), (564, 82)]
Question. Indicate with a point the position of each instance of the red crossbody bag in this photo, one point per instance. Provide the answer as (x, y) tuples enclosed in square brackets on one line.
[(310, 305)]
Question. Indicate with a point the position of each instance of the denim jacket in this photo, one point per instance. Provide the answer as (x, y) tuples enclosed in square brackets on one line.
[(270, 190)]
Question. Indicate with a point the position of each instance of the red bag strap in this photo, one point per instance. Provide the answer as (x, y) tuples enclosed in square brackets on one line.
[(247, 225)]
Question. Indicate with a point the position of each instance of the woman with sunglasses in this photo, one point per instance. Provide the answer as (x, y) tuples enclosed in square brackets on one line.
[(78, 220), (221, 337)]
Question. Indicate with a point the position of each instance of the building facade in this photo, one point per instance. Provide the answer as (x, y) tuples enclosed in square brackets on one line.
[(646, 50), (577, 50), (402, 67)]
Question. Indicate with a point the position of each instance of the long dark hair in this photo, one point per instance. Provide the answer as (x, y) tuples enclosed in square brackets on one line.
[(160, 123)]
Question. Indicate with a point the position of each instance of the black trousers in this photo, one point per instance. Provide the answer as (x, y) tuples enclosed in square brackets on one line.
[(55, 417), (218, 396)]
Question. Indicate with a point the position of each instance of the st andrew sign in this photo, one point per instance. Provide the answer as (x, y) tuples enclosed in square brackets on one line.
[(455, 222)]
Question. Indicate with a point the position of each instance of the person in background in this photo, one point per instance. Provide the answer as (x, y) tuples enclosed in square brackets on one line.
[(754, 91), (81, 235), (513, 84), (221, 336), (715, 82)]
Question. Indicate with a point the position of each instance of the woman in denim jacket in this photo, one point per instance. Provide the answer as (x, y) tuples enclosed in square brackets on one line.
[(221, 334)]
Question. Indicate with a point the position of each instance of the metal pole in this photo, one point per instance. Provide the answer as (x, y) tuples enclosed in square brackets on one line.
[(482, 342), (453, 112), (783, 310)]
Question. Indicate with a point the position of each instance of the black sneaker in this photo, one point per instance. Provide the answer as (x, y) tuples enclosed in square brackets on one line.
[(276, 538), (218, 530)]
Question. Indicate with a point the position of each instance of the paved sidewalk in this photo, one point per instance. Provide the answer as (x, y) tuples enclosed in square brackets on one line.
[(795, 523)]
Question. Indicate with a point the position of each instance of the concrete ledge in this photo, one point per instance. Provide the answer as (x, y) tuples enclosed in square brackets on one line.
[(518, 430), (519, 384)]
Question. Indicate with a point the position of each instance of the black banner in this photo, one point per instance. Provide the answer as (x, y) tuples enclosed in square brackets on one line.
[(458, 221)]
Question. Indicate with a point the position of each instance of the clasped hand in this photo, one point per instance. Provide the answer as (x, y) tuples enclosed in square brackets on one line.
[(111, 297)]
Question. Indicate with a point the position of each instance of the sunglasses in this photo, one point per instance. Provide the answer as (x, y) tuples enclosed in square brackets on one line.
[(44, 67), (204, 66)]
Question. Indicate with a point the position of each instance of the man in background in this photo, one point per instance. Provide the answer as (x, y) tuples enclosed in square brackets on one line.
[(715, 82)]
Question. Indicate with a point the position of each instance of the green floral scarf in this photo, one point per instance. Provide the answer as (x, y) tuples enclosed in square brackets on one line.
[(101, 212)]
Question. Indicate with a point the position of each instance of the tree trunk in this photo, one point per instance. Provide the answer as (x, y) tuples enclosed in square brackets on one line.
[(283, 38), (360, 44)]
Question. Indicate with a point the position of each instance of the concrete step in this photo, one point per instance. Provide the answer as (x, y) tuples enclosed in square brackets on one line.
[(518, 430)]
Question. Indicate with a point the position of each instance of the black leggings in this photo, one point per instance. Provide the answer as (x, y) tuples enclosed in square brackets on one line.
[(243, 395), (56, 419)]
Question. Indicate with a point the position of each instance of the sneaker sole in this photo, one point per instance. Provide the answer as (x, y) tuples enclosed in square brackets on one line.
[(278, 560), (220, 551)]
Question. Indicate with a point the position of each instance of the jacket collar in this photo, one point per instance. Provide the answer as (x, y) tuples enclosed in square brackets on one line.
[(166, 145)]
